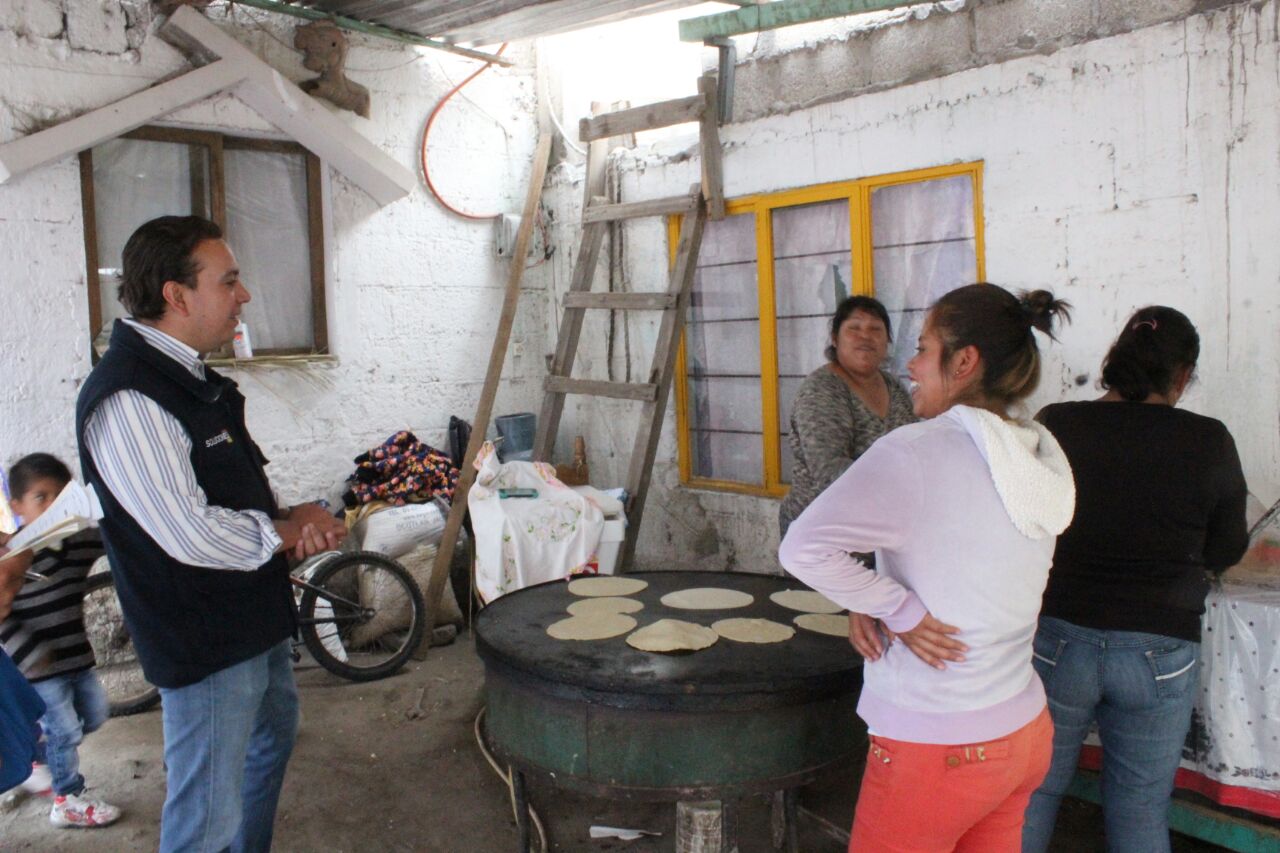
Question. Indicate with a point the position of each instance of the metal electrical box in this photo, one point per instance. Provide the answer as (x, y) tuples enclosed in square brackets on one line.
[(506, 226)]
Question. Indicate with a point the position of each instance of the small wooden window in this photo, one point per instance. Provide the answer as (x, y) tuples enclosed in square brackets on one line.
[(264, 193)]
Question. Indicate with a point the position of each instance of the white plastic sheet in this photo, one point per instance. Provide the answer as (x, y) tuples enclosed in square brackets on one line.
[(1235, 730), (1232, 753)]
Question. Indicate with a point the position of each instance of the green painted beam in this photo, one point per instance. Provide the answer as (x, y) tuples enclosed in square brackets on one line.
[(369, 29), (781, 13), (1216, 827)]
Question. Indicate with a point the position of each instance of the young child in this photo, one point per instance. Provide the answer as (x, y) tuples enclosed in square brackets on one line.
[(45, 636)]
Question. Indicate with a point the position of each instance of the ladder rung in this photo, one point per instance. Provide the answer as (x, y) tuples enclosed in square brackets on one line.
[(620, 301), (648, 117), (594, 388), (632, 209)]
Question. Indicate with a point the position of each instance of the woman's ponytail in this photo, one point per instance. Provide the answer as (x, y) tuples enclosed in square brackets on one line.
[(1156, 343), (1000, 326)]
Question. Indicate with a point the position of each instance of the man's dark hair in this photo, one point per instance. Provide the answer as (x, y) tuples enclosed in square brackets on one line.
[(160, 251), (36, 466), (865, 304)]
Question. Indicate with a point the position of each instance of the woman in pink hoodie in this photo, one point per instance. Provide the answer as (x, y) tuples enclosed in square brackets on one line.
[(962, 511)]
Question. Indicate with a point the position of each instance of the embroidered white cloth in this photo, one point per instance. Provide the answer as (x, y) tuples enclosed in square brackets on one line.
[(525, 541)]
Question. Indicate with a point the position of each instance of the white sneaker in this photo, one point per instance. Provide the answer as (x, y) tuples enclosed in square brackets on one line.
[(81, 811), (40, 782)]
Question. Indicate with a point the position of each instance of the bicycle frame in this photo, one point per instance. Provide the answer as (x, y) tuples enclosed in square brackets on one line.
[(310, 567), (328, 596)]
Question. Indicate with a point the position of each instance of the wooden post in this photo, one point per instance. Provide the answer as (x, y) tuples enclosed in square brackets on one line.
[(709, 134), (484, 412)]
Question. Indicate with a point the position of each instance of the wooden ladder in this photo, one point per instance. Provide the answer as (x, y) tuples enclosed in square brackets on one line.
[(704, 199)]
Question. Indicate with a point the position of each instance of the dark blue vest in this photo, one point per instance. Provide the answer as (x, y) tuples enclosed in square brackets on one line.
[(188, 622)]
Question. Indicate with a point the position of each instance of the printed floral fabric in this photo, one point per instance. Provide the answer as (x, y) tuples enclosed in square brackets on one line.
[(401, 470)]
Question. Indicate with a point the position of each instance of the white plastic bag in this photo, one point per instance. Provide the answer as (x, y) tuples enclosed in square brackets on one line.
[(397, 530)]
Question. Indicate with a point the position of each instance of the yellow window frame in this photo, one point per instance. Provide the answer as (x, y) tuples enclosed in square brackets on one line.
[(858, 192)]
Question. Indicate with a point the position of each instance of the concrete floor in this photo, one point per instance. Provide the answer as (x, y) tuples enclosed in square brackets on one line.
[(365, 778)]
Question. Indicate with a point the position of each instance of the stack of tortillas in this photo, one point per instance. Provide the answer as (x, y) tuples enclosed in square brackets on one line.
[(601, 613), (707, 598), (672, 635), (606, 586), (818, 613), (753, 630)]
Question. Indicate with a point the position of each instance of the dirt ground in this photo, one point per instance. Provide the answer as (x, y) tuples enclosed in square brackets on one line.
[(365, 778)]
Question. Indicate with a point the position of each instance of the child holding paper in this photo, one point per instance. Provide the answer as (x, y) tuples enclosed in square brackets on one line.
[(45, 636)]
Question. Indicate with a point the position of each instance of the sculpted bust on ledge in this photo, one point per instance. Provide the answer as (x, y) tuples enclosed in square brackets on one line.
[(325, 51)]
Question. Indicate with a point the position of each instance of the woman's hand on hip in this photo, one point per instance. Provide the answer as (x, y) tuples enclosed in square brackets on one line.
[(931, 642), (864, 635)]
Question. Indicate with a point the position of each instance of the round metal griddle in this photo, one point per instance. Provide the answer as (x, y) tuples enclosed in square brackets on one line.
[(603, 718)]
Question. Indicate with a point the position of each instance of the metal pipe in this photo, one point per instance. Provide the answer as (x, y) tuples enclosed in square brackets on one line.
[(782, 13), (727, 56), (371, 29)]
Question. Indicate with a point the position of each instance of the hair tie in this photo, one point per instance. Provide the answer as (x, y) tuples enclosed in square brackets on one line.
[(1141, 323)]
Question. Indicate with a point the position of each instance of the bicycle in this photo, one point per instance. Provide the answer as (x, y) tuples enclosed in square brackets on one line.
[(360, 615)]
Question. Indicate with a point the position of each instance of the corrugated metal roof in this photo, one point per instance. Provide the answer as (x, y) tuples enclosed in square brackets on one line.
[(490, 21)]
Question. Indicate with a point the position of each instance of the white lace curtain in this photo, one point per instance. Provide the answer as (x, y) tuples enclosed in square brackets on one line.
[(266, 198)]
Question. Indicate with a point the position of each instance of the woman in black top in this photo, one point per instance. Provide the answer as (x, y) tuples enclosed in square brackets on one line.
[(1160, 500)]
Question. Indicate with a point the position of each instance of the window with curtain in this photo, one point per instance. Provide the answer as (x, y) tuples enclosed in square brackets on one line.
[(264, 193), (768, 279)]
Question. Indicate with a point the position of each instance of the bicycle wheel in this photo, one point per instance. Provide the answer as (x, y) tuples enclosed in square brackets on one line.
[(128, 690), (361, 615)]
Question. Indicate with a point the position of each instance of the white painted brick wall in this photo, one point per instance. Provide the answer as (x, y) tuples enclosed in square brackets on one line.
[(1120, 172), (413, 292)]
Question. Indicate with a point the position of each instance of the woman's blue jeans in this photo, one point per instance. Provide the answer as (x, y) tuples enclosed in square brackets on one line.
[(1140, 689)]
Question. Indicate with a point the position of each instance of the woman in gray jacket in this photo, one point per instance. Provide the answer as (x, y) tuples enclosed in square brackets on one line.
[(844, 405)]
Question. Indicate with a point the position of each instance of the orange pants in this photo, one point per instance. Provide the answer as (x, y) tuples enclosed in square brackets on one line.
[(929, 798)]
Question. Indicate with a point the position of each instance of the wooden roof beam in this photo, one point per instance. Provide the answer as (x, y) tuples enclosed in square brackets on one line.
[(106, 123), (294, 111), (228, 66)]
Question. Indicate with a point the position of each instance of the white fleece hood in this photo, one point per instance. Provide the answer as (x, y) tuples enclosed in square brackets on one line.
[(1029, 469)]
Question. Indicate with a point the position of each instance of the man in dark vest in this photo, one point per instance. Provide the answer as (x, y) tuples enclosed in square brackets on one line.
[(196, 539)]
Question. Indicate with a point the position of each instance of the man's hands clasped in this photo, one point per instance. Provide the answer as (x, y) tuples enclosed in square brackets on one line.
[(309, 529)]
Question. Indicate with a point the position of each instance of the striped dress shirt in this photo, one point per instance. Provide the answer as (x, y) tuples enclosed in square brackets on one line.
[(143, 455)]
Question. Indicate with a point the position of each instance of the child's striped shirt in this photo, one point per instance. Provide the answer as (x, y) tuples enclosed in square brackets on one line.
[(45, 633)]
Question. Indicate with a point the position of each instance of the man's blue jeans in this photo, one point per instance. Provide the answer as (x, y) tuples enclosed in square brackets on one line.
[(1140, 688), (75, 705), (227, 740)]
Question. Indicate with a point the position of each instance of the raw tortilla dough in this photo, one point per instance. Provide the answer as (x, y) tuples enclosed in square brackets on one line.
[(594, 626), (824, 623), (672, 635), (707, 598), (608, 604), (602, 586), (753, 630), (804, 600)]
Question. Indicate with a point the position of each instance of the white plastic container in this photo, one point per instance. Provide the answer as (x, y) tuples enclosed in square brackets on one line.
[(615, 528), (240, 344), (611, 543)]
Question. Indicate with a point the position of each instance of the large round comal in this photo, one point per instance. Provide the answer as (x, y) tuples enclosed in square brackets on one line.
[(606, 719)]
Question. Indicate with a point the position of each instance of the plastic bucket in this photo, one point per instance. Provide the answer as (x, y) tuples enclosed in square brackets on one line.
[(517, 432)]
